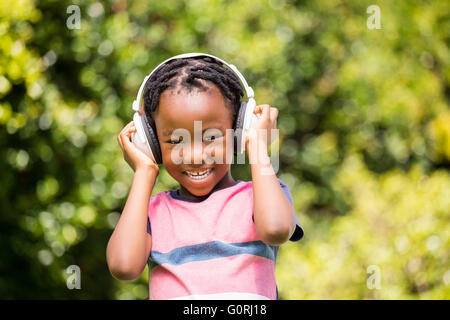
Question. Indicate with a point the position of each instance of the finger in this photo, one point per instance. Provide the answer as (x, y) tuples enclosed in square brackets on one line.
[(126, 135), (265, 111), (119, 140), (127, 143), (259, 108), (127, 126), (273, 114)]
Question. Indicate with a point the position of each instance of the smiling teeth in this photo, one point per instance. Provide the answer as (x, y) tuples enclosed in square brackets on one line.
[(200, 175)]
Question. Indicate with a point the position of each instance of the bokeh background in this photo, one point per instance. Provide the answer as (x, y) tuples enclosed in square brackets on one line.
[(364, 136)]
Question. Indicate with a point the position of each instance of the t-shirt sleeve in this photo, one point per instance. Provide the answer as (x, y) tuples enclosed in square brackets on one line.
[(298, 233)]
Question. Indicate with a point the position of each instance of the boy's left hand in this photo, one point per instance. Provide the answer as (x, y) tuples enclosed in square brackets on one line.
[(267, 122)]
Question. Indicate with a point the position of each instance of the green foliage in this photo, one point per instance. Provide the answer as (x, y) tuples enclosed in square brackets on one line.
[(364, 136), (397, 223)]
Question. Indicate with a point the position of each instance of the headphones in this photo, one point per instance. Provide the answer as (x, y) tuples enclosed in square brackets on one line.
[(145, 137)]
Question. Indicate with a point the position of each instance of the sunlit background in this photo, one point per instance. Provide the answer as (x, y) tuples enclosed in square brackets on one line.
[(364, 136)]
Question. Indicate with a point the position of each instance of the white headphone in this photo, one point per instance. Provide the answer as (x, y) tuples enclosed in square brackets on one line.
[(145, 137)]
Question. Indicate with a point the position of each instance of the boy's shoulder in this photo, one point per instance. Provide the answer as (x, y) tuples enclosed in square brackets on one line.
[(158, 195)]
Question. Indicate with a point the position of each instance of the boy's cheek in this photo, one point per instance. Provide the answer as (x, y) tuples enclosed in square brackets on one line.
[(215, 153)]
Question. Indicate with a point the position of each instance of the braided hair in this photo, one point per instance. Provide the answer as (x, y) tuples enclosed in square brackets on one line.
[(183, 74)]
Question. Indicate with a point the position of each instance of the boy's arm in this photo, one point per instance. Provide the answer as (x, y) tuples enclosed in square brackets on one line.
[(273, 213), (130, 244)]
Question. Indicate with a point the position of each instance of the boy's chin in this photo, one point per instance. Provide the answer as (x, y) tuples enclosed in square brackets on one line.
[(200, 191)]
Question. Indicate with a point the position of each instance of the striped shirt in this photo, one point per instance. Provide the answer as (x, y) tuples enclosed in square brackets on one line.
[(210, 249)]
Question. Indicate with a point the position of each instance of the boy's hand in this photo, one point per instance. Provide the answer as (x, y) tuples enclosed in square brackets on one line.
[(132, 155), (267, 122)]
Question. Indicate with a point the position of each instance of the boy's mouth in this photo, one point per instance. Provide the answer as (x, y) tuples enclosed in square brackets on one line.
[(198, 175)]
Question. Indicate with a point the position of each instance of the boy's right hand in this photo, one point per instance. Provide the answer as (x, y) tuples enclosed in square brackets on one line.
[(132, 155)]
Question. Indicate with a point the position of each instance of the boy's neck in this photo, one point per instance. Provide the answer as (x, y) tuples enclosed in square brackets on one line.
[(226, 182)]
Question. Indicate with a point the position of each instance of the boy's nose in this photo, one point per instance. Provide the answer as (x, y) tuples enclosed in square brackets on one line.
[(195, 154)]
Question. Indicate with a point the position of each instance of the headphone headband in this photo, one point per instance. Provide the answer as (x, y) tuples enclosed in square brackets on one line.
[(139, 102)]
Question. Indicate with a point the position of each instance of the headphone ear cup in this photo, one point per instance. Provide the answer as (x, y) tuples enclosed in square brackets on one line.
[(142, 138), (238, 129), (152, 139)]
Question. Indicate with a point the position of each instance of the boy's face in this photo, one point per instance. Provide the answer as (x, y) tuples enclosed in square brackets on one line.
[(179, 110)]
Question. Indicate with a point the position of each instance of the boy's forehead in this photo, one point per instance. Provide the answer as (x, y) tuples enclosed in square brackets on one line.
[(167, 131), (188, 122), (180, 111)]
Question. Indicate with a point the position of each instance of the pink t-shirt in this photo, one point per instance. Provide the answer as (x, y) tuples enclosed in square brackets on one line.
[(210, 249)]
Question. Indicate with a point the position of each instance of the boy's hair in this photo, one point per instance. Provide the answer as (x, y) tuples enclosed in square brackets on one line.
[(183, 73)]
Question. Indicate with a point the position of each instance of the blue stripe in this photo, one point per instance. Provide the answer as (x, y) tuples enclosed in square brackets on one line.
[(211, 250)]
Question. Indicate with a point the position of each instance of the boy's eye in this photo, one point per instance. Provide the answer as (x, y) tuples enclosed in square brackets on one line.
[(175, 141), (209, 138), (212, 138)]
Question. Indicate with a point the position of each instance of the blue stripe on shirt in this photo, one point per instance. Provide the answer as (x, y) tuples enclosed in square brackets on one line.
[(211, 250)]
